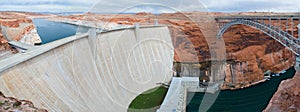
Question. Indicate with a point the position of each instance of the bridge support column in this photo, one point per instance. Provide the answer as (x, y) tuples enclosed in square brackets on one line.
[(270, 20), (292, 25), (297, 63), (298, 31), (287, 25)]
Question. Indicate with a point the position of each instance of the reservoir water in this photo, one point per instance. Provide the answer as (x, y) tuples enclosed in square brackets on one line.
[(252, 99), (50, 31)]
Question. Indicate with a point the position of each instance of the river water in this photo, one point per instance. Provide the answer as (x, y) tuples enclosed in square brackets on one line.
[(252, 99)]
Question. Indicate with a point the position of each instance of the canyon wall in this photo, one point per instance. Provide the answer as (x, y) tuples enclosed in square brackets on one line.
[(102, 72), (252, 53), (5, 49), (244, 72), (20, 29), (17, 27), (287, 97)]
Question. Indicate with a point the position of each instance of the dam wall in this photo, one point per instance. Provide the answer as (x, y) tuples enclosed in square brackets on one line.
[(91, 72)]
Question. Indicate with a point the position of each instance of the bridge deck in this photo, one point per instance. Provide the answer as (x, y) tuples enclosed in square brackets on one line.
[(265, 17)]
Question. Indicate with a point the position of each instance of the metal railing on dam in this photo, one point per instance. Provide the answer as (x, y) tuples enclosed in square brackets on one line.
[(90, 72)]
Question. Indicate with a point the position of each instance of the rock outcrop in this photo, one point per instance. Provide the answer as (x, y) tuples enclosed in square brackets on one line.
[(251, 63), (251, 54), (18, 27), (287, 97), (9, 104), (5, 49), (21, 29)]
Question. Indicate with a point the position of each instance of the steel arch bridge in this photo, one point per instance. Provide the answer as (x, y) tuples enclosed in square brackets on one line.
[(283, 37)]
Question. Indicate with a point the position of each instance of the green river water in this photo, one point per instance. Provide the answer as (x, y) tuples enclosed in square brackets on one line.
[(252, 99)]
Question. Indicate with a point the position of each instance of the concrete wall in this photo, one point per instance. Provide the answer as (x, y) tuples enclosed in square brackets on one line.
[(78, 76)]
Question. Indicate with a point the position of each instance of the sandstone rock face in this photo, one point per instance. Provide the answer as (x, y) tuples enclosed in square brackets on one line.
[(18, 27), (253, 53), (287, 97), (9, 104), (252, 63), (21, 30), (30, 36), (5, 49)]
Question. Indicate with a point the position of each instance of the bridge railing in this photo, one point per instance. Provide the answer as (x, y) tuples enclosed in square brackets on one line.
[(282, 37), (258, 17)]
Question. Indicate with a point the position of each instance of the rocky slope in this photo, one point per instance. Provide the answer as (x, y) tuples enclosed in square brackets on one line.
[(5, 49), (9, 104), (251, 64), (251, 54), (18, 27), (21, 29), (287, 97)]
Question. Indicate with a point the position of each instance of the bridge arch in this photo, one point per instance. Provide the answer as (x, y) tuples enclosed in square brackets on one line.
[(276, 33)]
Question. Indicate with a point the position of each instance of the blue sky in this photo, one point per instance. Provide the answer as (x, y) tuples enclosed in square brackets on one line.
[(156, 6)]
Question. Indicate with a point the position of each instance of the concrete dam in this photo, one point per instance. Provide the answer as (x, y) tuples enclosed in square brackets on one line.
[(95, 71)]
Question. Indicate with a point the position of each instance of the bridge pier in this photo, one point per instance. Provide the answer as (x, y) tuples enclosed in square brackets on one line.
[(297, 63), (298, 31)]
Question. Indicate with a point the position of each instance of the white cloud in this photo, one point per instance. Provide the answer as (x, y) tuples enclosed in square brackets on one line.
[(253, 5), (154, 6), (44, 8), (47, 5), (115, 6)]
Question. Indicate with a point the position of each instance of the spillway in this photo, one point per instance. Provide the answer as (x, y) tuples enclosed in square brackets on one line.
[(90, 72)]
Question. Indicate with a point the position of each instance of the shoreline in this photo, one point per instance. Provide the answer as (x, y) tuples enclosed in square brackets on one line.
[(258, 82), (286, 87), (91, 24), (246, 86)]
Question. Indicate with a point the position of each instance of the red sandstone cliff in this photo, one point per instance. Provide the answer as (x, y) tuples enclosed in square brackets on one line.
[(251, 64), (252, 54), (18, 27), (287, 97), (5, 49)]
